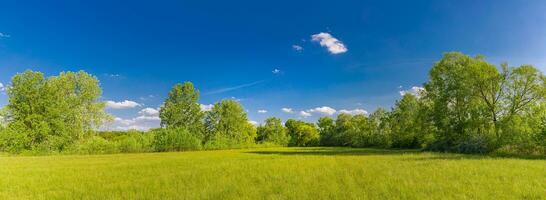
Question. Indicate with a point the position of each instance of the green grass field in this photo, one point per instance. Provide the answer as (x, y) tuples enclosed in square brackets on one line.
[(273, 173)]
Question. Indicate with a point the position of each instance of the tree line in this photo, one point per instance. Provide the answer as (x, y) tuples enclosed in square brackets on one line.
[(467, 105)]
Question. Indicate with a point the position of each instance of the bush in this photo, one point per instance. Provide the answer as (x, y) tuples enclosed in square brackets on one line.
[(95, 145), (175, 140)]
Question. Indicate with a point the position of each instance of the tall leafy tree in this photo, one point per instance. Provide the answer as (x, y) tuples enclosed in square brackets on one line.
[(182, 110), (326, 127), (273, 131), (52, 113), (228, 121)]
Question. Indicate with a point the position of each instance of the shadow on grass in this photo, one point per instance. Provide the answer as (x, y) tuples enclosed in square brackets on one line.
[(345, 151)]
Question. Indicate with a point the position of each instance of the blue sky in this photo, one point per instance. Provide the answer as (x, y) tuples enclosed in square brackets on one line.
[(262, 53)]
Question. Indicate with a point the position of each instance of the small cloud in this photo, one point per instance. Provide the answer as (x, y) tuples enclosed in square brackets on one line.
[(276, 71), (2, 88), (262, 111), (121, 105), (147, 97), (149, 112), (325, 110), (297, 48), (287, 110), (206, 107), (255, 123), (304, 114), (415, 91), (333, 45), (354, 112), (3, 35)]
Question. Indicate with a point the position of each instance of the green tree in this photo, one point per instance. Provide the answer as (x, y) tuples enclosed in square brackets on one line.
[(52, 113), (228, 121), (302, 133), (182, 110), (405, 125), (327, 132), (273, 131)]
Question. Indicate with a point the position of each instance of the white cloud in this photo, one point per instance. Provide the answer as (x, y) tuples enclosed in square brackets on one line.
[(2, 88), (325, 110), (255, 123), (297, 48), (141, 122), (207, 107), (149, 112), (354, 112), (276, 71), (304, 114), (3, 35), (121, 105), (333, 45), (287, 110), (262, 111), (415, 90)]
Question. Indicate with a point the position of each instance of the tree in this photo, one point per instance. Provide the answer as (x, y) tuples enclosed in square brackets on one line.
[(182, 110), (327, 132), (52, 113), (405, 125), (302, 133), (228, 121), (273, 131), (455, 104)]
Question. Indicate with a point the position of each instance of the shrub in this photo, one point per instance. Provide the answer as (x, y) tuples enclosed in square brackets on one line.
[(175, 140), (95, 145)]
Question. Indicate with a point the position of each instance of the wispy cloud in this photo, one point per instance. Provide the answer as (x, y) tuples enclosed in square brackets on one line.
[(262, 111), (297, 48), (3, 35), (228, 89), (2, 88)]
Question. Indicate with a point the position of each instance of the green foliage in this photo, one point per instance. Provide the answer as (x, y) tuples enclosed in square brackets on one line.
[(182, 110), (473, 104), (172, 139), (327, 131), (273, 132), (302, 134), (52, 113), (96, 145), (227, 124)]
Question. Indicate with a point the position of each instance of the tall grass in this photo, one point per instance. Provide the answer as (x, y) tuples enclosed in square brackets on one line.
[(273, 173)]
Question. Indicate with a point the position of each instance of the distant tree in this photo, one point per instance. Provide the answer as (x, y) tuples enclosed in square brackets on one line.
[(273, 132), (327, 132), (228, 121), (52, 113), (405, 123), (380, 126), (345, 130), (182, 110), (302, 133)]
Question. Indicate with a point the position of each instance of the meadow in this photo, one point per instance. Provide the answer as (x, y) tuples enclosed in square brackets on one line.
[(273, 173)]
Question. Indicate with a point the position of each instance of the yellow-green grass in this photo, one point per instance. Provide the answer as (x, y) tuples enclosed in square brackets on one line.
[(273, 173)]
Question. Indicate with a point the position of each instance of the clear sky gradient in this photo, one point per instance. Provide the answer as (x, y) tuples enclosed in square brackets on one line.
[(262, 53)]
